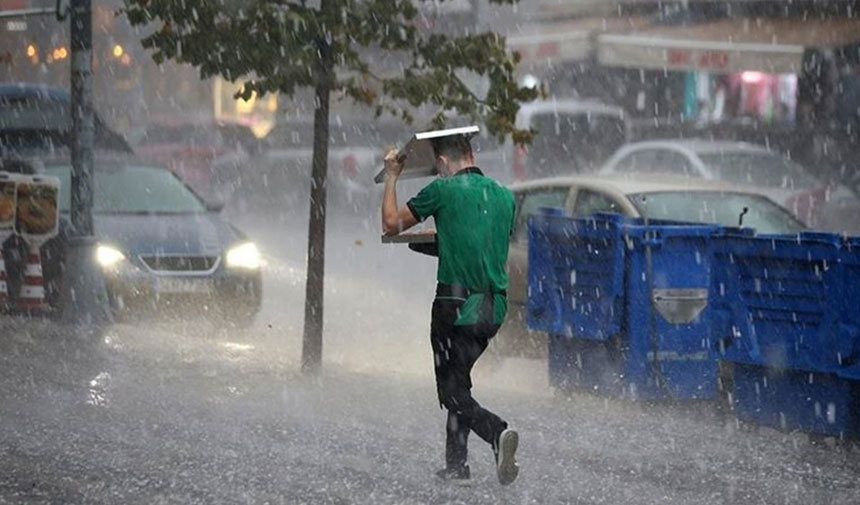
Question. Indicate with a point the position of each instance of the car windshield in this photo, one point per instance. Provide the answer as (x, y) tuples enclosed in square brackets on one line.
[(758, 168), (132, 189), (717, 207)]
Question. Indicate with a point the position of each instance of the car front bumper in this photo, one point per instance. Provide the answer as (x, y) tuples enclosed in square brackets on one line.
[(227, 292)]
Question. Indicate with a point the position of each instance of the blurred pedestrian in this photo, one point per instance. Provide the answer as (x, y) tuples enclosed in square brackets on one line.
[(474, 218)]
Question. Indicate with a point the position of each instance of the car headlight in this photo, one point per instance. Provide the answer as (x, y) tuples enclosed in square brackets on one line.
[(108, 256), (244, 256)]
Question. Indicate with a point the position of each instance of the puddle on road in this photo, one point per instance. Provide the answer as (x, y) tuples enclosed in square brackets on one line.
[(236, 346), (97, 390)]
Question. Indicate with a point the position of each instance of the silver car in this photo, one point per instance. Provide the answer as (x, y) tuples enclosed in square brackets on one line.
[(682, 199), (814, 201)]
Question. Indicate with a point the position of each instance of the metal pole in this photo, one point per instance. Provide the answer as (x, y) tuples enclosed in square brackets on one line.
[(84, 298), (82, 117)]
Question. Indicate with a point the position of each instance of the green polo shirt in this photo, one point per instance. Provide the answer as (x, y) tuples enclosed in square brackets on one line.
[(474, 218)]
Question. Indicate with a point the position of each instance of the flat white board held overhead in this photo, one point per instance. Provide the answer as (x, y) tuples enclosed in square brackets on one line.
[(417, 154), (424, 237)]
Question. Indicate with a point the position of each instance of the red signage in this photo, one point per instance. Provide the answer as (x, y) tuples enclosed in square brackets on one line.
[(10, 5), (678, 57), (714, 59), (701, 59), (547, 50)]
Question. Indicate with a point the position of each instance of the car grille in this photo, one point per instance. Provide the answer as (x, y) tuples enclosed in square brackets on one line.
[(180, 263)]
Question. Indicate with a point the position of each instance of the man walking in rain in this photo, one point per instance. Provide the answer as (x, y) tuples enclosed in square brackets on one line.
[(474, 216)]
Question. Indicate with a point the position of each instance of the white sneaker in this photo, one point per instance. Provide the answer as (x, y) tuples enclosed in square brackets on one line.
[(506, 462)]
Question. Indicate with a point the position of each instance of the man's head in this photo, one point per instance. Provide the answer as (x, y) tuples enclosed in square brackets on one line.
[(452, 153)]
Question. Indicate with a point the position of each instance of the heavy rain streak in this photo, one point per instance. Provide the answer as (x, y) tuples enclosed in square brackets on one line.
[(296, 252)]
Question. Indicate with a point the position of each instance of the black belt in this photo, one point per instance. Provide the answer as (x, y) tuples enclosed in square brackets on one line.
[(464, 292), (488, 304)]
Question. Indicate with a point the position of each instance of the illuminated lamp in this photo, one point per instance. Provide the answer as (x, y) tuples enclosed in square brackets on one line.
[(751, 77)]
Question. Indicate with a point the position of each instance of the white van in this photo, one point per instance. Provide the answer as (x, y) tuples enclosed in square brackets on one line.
[(573, 136)]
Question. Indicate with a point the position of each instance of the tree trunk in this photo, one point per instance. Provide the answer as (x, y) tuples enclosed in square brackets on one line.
[(313, 325)]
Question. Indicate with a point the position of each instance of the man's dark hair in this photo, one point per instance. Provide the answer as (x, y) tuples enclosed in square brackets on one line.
[(455, 147)]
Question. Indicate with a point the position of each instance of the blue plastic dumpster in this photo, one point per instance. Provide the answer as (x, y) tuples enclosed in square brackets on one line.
[(849, 327), (796, 400), (625, 304), (781, 308), (782, 294)]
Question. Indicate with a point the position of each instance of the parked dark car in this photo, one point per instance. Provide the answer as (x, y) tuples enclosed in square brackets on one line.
[(210, 156), (36, 116)]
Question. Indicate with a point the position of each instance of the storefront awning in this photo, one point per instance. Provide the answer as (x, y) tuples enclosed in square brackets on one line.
[(535, 49), (552, 43), (766, 45)]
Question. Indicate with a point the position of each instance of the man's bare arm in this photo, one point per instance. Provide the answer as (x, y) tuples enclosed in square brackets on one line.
[(394, 220)]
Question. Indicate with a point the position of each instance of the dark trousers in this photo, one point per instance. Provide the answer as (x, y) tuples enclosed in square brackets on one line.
[(455, 350)]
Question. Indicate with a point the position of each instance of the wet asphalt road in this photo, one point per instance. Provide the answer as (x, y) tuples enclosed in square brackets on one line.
[(187, 412)]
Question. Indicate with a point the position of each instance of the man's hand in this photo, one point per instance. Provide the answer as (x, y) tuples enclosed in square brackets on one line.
[(394, 220), (393, 163)]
